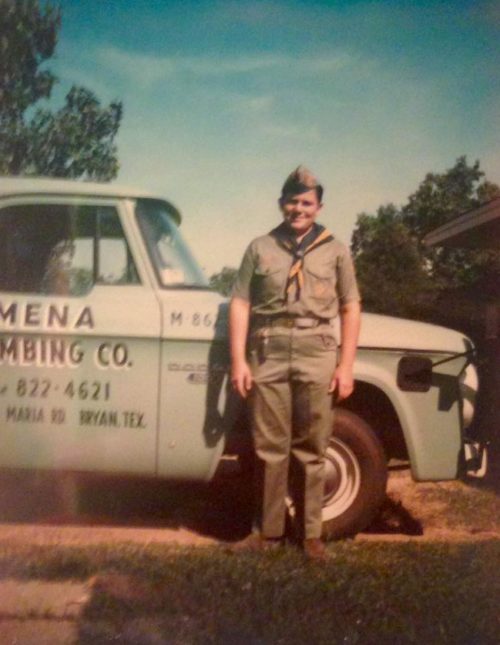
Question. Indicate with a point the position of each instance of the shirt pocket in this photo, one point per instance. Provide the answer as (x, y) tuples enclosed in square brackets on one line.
[(320, 283), (269, 283)]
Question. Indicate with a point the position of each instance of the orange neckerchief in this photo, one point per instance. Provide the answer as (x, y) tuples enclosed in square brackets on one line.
[(318, 236)]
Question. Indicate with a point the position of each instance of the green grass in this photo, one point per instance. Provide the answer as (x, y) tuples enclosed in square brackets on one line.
[(366, 593)]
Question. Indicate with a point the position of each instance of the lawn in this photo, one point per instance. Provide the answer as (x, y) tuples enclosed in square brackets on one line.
[(368, 592), (442, 585)]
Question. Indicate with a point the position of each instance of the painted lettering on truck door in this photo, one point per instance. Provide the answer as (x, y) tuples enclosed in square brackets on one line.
[(79, 341)]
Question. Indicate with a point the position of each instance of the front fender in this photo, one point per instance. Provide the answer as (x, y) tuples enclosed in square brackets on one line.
[(430, 421)]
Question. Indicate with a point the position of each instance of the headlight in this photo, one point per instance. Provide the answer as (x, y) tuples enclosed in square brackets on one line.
[(469, 383)]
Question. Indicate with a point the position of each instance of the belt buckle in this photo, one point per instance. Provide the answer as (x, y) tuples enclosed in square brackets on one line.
[(306, 323)]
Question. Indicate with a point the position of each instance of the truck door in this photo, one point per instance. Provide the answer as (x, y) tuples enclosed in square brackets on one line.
[(193, 416), (79, 339)]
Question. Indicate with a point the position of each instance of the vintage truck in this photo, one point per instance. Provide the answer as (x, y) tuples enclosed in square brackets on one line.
[(114, 358)]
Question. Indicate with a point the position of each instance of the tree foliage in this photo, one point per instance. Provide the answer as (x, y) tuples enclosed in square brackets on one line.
[(75, 141), (439, 199), (401, 276), (389, 265), (442, 197)]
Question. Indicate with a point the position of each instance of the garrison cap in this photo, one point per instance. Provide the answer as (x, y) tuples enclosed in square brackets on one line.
[(299, 181)]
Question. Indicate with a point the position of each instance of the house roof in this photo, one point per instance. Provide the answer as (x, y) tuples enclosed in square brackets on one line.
[(477, 228)]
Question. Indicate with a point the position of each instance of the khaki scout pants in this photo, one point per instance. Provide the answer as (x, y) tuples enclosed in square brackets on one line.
[(292, 422)]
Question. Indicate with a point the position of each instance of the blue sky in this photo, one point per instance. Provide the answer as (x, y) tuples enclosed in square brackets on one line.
[(222, 99)]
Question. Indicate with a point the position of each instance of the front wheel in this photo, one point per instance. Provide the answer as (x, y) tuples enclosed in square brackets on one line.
[(355, 476)]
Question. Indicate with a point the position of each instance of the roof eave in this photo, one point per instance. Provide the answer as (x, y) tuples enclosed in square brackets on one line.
[(477, 228)]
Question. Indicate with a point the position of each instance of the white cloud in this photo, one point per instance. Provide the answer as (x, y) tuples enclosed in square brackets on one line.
[(147, 70), (211, 66), (251, 105), (289, 131), (144, 70), (260, 103), (324, 64)]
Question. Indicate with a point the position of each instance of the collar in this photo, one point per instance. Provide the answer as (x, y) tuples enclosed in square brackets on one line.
[(288, 240)]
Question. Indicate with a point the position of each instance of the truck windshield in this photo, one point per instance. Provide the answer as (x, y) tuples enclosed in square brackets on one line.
[(174, 264)]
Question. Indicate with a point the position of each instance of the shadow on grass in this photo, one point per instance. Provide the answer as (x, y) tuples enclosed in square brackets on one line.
[(394, 519), (220, 509)]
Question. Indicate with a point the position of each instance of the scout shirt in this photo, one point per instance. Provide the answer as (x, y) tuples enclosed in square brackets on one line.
[(328, 278)]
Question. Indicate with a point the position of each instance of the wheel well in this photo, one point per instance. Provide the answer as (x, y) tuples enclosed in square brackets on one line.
[(371, 404), (367, 401)]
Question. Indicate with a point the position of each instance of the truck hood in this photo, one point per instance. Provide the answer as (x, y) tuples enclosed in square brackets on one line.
[(380, 332), (186, 312)]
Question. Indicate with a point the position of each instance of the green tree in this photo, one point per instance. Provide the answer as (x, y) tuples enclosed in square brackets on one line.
[(388, 263), (224, 280), (75, 141), (442, 197), (401, 276), (439, 199)]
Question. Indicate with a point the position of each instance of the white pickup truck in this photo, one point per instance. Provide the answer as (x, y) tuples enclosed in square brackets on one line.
[(113, 358)]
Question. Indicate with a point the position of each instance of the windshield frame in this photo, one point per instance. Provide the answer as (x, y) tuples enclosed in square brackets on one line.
[(155, 213)]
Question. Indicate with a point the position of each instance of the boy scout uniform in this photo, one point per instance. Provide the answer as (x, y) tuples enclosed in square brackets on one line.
[(295, 293)]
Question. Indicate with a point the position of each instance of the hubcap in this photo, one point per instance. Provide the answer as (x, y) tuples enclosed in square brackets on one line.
[(342, 479)]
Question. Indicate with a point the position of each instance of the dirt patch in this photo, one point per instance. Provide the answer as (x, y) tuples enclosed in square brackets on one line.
[(437, 511)]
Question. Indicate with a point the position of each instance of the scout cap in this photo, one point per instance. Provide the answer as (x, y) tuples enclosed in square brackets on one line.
[(299, 181)]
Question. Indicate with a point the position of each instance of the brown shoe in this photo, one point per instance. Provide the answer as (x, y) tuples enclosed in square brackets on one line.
[(255, 542), (314, 549)]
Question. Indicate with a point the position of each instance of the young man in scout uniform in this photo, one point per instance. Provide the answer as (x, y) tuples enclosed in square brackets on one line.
[(291, 285)]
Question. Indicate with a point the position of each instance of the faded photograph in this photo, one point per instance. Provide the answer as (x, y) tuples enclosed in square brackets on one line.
[(249, 322)]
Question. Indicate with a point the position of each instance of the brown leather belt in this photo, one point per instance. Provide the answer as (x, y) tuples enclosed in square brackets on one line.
[(297, 322)]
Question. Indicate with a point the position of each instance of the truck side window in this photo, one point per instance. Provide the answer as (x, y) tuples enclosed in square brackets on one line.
[(62, 249)]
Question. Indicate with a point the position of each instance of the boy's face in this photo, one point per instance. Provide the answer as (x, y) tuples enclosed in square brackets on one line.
[(300, 211)]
